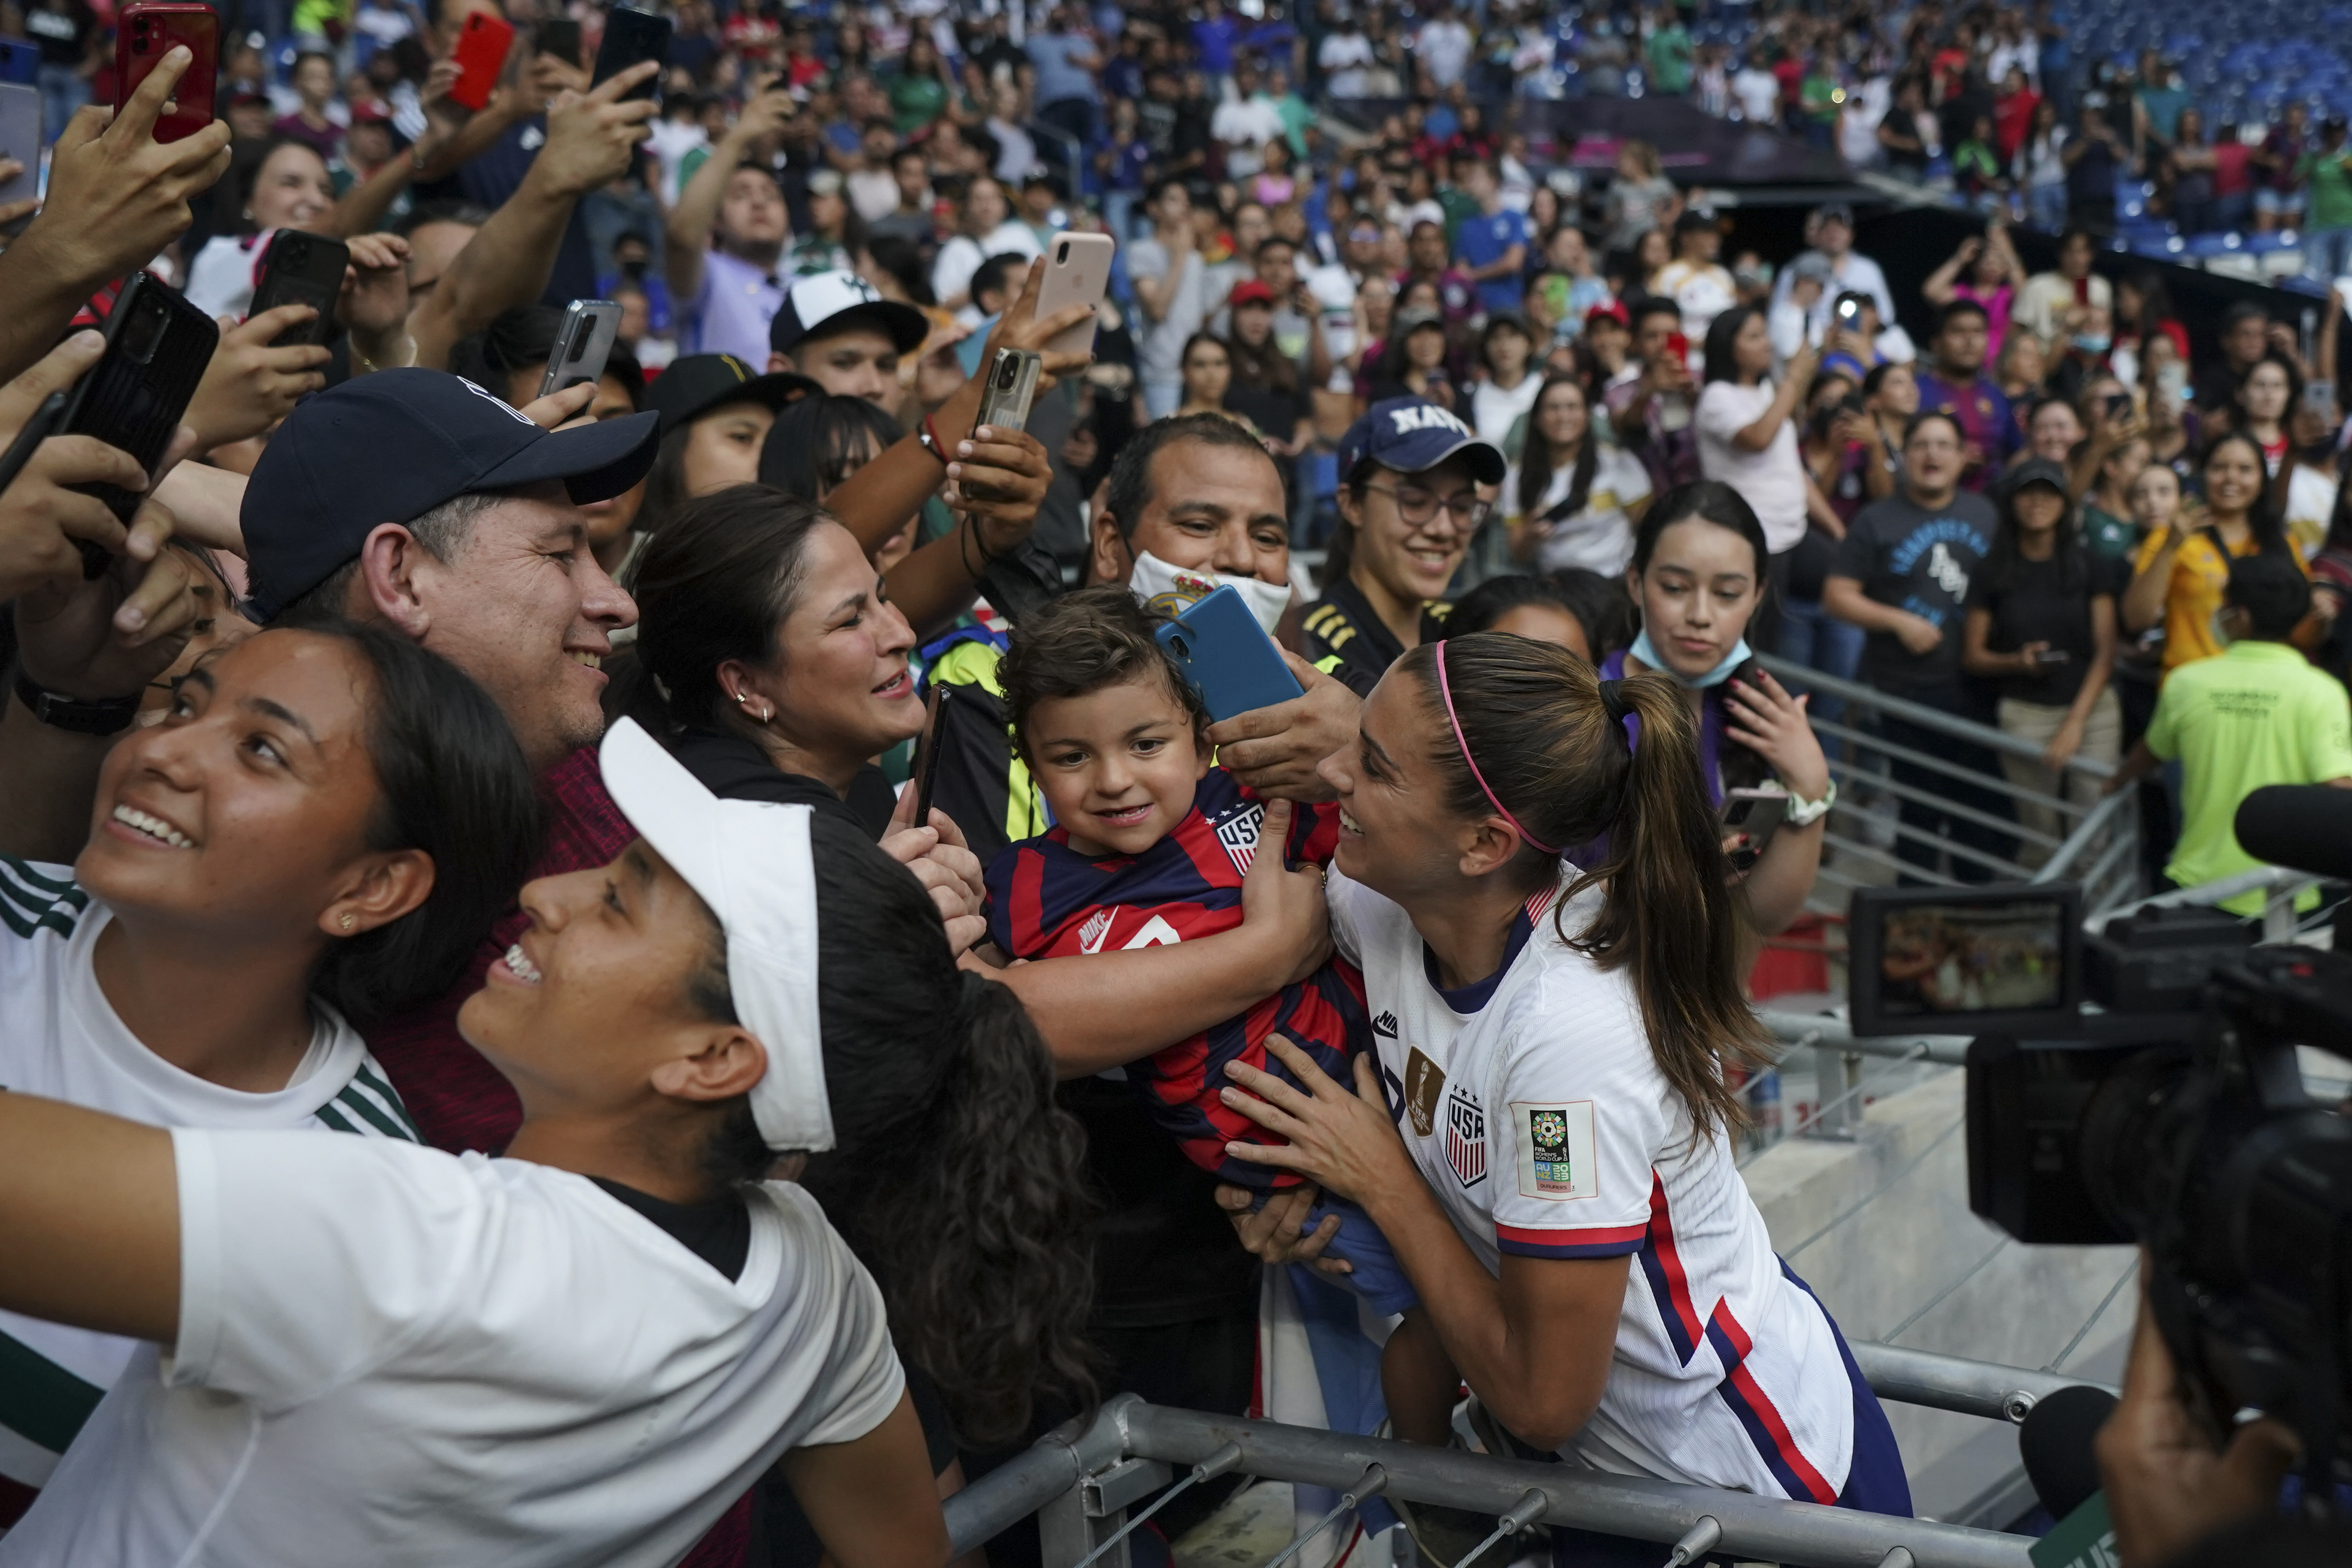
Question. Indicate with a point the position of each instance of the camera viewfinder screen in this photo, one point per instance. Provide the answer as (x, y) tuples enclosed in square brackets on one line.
[(1958, 957)]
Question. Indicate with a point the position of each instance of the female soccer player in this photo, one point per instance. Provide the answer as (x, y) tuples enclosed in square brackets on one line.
[(583, 1352), (1557, 1110)]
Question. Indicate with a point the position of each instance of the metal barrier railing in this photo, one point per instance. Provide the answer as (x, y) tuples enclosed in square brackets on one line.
[(2098, 845), (1081, 1480)]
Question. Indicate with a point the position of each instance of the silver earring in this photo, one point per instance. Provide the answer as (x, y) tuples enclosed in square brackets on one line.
[(741, 698)]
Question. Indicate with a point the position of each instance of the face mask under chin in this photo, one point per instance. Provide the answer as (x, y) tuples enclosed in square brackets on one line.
[(1172, 590)]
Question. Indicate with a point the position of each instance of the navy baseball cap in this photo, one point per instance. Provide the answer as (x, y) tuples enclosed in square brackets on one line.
[(1413, 437), (390, 447)]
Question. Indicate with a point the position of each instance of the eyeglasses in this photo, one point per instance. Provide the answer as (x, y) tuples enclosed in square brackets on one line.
[(1418, 507)]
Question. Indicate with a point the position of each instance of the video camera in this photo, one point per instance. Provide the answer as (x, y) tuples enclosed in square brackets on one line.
[(2172, 1113)]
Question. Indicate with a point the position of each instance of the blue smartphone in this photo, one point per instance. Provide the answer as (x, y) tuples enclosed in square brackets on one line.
[(20, 62), (1228, 657)]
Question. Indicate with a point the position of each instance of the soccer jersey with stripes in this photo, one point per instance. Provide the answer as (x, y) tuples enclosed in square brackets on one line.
[(1533, 1108), (1046, 899), (64, 1042)]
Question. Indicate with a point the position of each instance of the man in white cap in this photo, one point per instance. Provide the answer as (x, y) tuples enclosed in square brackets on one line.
[(837, 331)]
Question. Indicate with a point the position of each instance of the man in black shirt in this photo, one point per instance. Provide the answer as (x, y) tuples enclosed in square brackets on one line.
[(1902, 575)]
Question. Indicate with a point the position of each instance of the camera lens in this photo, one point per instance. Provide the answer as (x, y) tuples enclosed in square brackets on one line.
[(1179, 648), (1062, 254), (2123, 1133)]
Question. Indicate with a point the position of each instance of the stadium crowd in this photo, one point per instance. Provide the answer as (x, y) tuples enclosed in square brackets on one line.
[(658, 971)]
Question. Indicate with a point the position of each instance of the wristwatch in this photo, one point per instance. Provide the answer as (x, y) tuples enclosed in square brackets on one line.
[(1800, 812), (81, 716)]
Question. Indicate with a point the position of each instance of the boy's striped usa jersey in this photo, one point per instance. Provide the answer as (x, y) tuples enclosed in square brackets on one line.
[(1046, 899)]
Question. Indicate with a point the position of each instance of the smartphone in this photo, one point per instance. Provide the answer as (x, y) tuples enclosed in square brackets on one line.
[(2319, 396), (20, 137), (1756, 813), (927, 767), (2120, 406), (20, 62), (1227, 656), (1679, 347), (582, 344), (630, 36), (1848, 312), (1012, 385), (1077, 270), (157, 346), (301, 269), (144, 35), (2053, 656), (481, 56), (559, 37)]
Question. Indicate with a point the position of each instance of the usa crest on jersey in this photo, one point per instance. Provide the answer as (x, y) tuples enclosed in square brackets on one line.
[(1465, 1138)]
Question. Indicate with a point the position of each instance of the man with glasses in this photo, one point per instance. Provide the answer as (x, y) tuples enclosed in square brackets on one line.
[(1408, 506)]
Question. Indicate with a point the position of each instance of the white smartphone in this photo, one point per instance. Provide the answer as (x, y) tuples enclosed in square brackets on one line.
[(20, 137), (582, 345), (1077, 270)]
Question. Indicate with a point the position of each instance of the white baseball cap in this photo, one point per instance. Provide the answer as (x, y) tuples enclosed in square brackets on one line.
[(813, 303), (751, 862)]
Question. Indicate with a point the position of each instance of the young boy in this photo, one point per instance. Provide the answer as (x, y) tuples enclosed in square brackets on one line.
[(1152, 843), (2258, 714)]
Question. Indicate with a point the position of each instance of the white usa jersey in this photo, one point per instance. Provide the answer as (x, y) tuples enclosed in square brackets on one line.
[(1536, 1111), (63, 1041)]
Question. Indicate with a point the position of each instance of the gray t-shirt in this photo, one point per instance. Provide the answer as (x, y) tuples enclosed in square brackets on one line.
[(1160, 345), (1918, 560)]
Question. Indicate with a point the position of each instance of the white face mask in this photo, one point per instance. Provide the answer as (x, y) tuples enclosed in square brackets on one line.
[(1172, 590)]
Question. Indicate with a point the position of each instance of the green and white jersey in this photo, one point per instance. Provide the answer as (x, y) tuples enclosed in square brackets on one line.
[(62, 1041)]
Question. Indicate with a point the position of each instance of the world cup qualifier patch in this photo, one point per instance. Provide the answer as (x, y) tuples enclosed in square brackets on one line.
[(1465, 1138), (1554, 1150)]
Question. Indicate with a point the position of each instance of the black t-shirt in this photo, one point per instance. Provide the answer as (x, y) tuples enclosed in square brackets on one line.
[(1345, 639), (2047, 601), (719, 1231), (732, 768), (1917, 560), (1164, 1252), (2091, 178), (1275, 414)]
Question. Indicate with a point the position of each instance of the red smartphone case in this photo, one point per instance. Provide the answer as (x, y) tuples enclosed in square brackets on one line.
[(482, 57), (144, 35)]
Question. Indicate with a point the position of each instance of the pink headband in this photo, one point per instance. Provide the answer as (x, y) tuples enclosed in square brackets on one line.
[(1445, 694)]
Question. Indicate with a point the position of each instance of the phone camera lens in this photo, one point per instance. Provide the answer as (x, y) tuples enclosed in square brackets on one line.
[(1062, 254), (1178, 646)]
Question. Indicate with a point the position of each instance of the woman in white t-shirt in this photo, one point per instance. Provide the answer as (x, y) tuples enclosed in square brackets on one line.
[(1574, 497), (1544, 1134), (1747, 425), (985, 227), (282, 857), (585, 1351), (288, 189)]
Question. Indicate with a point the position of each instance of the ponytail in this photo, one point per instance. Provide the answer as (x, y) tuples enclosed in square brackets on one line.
[(957, 1181), (1669, 913), (1552, 754)]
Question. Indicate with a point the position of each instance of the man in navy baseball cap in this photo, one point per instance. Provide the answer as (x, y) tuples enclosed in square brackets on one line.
[(416, 501), (1411, 475)]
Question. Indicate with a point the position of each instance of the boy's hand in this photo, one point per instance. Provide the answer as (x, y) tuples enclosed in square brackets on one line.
[(1285, 907)]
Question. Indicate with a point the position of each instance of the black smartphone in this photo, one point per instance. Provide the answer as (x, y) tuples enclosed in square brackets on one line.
[(301, 269), (2120, 406), (928, 766), (559, 37), (157, 346), (631, 37)]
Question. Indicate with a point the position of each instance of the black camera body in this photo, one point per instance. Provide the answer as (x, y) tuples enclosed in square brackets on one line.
[(2174, 1116)]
